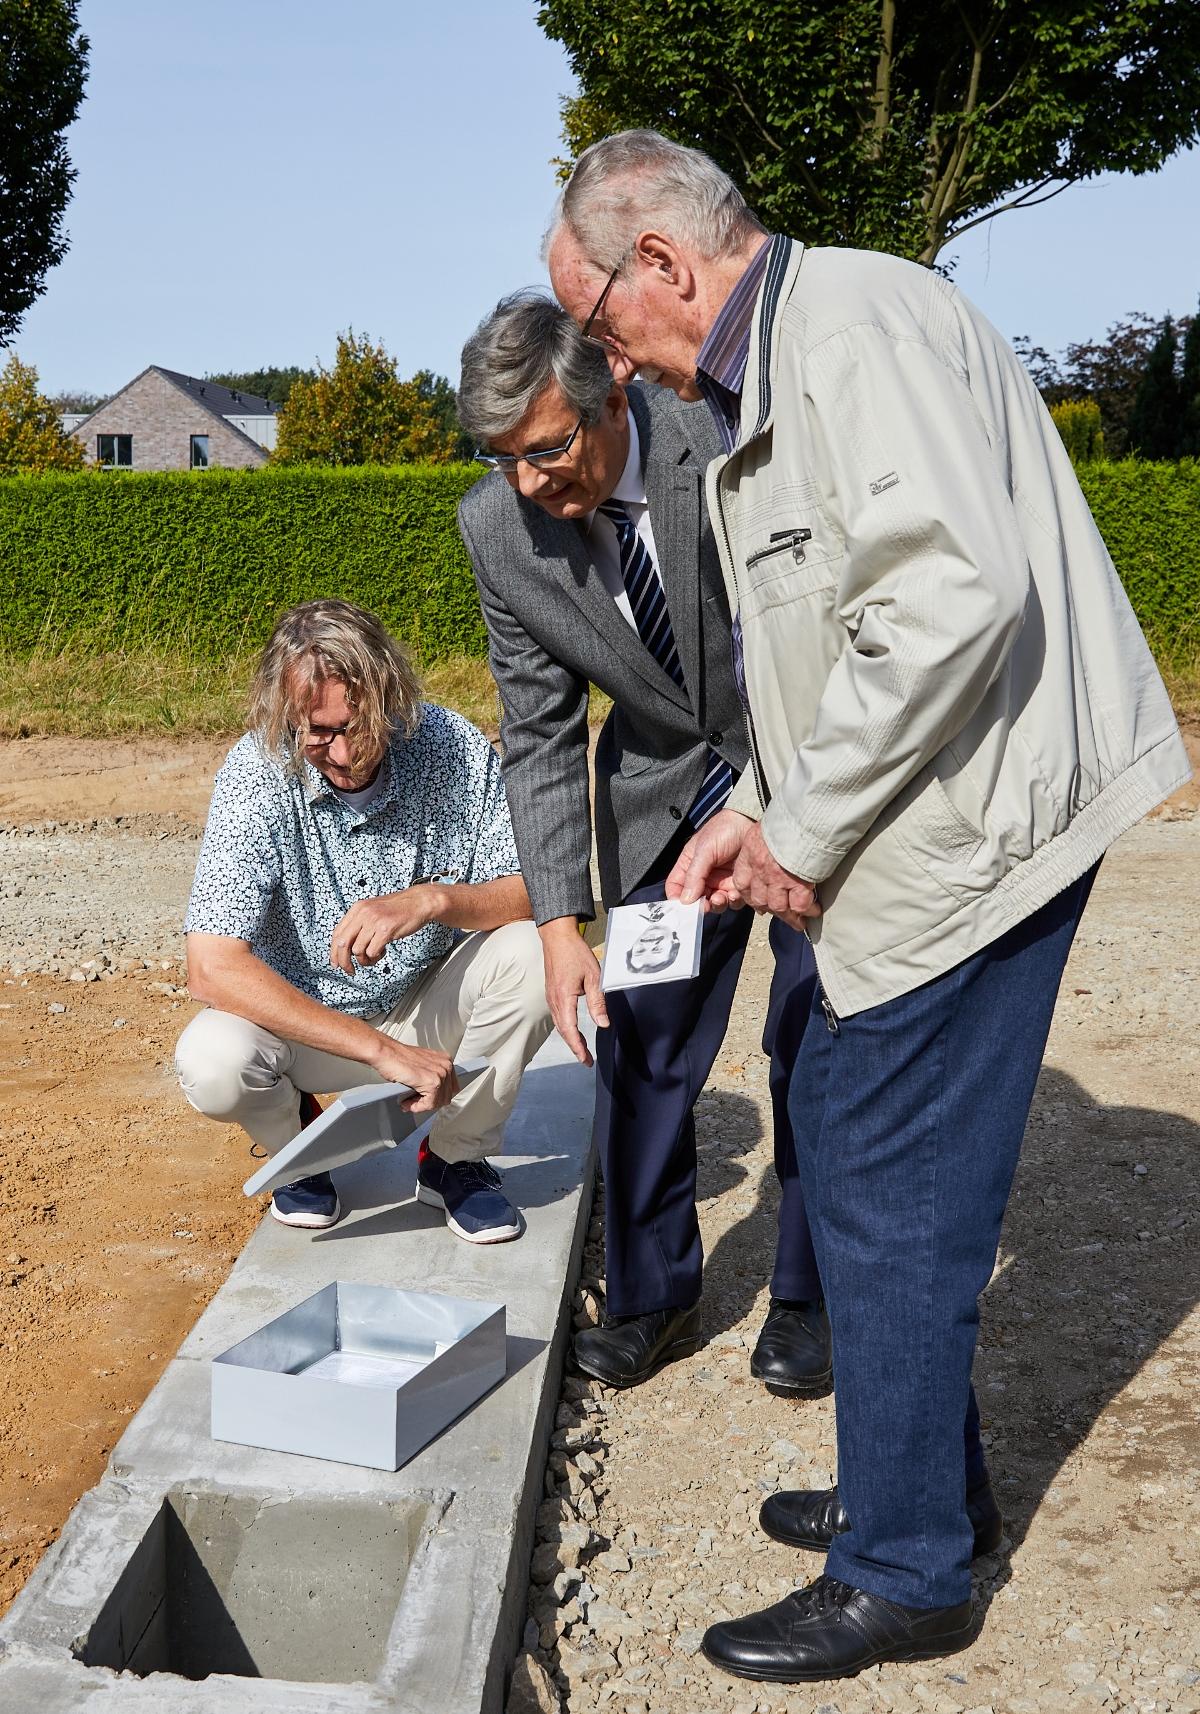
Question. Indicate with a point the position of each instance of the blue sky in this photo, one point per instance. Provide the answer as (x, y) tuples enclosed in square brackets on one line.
[(254, 177)]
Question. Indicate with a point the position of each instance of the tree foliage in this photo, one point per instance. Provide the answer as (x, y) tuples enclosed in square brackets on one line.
[(1108, 370), (273, 384), (1189, 381), (883, 126), (31, 436), (1078, 422), (43, 66), (361, 412), (1157, 415), (443, 401)]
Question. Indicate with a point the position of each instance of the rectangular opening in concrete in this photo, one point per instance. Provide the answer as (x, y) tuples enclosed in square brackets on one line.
[(302, 1589)]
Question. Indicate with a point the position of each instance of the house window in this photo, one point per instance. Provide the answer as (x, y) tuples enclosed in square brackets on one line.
[(114, 451), (199, 452)]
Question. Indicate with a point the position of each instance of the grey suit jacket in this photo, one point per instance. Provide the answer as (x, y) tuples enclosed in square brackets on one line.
[(553, 627)]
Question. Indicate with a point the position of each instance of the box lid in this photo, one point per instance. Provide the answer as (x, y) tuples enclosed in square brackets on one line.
[(361, 1122)]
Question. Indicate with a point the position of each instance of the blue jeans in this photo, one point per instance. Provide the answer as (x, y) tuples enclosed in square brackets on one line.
[(908, 1120)]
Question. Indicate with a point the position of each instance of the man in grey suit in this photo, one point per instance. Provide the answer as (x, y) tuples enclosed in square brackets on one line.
[(595, 563)]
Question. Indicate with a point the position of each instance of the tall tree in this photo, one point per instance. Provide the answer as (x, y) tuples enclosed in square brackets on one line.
[(1157, 416), (361, 412), (31, 437), (1189, 382), (444, 402), (1107, 370), (887, 126), (43, 67)]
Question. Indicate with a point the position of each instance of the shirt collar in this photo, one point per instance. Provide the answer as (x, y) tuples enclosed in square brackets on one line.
[(317, 788), (631, 486), (723, 356)]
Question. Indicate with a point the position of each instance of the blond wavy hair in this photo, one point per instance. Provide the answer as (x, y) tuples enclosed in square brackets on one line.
[(322, 640)]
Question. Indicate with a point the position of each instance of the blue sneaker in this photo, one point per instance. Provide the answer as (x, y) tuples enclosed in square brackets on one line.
[(311, 1202), (469, 1191)]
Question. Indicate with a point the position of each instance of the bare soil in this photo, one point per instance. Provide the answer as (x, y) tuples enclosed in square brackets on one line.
[(121, 1210)]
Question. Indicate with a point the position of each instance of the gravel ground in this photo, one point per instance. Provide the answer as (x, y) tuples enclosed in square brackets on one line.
[(1087, 1375), (83, 899)]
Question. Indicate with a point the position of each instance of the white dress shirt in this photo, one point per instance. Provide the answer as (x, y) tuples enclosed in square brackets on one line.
[(629, 492)]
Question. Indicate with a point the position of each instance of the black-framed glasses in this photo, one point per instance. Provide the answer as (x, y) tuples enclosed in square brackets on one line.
[(602, 299), (543, 454)]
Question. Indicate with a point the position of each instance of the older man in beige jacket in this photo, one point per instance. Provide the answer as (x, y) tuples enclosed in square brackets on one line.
[(952, 714)]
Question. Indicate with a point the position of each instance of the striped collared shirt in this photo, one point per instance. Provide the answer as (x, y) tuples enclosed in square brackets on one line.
[(721, 361)]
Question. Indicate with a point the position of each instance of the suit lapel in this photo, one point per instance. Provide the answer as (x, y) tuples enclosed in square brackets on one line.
[(673, 470), (566, 553)]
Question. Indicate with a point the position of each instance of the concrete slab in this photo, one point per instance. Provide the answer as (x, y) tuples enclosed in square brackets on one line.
[(474, 1490)]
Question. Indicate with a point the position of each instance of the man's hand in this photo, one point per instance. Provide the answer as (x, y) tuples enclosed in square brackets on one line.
[(704, 868), (766, 886), (729, 863), (369, 927), (571, 970), (430, 1073)]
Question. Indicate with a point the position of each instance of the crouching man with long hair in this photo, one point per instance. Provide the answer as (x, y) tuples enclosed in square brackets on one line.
[(357, 916)]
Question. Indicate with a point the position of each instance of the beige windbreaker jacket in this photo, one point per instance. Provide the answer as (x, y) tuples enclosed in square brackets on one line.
[(953, 711)]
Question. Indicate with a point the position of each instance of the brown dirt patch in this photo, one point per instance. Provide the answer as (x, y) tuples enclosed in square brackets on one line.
[(121, 1213), (76, 779)]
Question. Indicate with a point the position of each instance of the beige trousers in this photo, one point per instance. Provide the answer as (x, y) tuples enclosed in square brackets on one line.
[(485, 1000)]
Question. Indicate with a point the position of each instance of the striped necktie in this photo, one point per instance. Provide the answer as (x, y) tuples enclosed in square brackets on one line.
[(648, 601)]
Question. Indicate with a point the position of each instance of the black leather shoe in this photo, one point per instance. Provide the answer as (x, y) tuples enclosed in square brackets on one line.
[(811, 1518), (830, 1630), (629, 1348), (793, 1354)]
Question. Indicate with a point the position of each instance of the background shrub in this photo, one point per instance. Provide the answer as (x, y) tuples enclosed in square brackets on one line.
[(1149, 516), (1078, 422), (214, 557)]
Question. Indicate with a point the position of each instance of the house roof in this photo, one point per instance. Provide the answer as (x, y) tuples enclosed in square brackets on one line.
[(224, 401)]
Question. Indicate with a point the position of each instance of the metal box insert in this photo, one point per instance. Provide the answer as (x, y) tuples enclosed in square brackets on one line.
[(362, 1374)]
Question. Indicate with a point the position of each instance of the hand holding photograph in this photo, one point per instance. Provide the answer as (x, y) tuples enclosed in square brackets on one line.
[(655, 942)]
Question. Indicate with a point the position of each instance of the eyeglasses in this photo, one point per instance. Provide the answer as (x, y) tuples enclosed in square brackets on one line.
[(543, 455), (600, 301), (322, 737)]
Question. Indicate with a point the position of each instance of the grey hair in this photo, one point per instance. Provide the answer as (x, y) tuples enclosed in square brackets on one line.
[(637, 180), (513, 355)]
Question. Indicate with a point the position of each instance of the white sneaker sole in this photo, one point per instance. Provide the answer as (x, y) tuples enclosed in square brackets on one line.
[(493, 1235), (310, 1222)]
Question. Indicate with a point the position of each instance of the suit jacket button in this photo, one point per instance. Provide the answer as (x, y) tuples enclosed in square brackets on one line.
[(716, 738), (676, 813)]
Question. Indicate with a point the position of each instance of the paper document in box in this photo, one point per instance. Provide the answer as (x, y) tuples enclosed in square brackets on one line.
[(655, 942)]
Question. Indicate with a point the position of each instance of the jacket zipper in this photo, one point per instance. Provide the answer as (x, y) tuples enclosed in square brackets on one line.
[(760, 784), (832, 1021), (781, 541)]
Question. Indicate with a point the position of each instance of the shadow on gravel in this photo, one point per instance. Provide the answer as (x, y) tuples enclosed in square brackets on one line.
[(1097, 1269), (729, 1128)]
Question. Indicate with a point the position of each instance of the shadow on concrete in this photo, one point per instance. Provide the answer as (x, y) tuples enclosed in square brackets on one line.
[(388, 1185)]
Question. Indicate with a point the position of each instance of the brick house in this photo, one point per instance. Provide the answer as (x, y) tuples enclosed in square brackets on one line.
[(166, 421)]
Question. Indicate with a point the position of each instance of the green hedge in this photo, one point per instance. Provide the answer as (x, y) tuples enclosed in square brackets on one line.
[(1149, 515), (216, 556)]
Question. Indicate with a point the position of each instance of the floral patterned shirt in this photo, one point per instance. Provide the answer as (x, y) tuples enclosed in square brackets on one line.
[(284, 857)]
